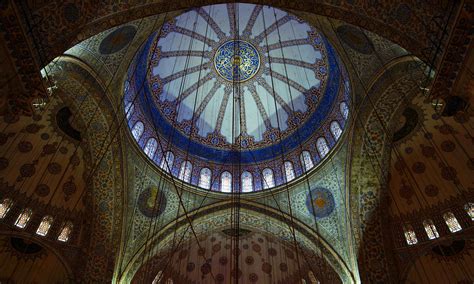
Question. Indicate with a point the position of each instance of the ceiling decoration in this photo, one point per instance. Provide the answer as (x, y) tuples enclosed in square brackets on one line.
[(152, 202), (320, 202), (218, 92), (117, 40)]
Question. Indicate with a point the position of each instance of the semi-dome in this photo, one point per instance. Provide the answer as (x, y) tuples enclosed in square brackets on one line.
[(236, 97)]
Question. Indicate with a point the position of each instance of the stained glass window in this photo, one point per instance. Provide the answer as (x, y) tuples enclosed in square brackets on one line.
[(336, 130), (322, 146), (129, 108), (167, 161), (150, 147), (5, 207), (157, 278), (452, 222), (23, 218), (344, 110), (306, 161), (226, 182), (410, 235), (469, 207), (185, 171), (66, 231), (137, 130), (247, 182), (430, 229), (205, 178), (44, 226), (268, 180), (289, 171)]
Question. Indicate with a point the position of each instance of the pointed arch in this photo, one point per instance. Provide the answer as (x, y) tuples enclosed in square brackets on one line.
[(322, 146), (185, 171), (167, 160), (137, 130), (289, 171), (268, 179), (205, 178), (336, 130), (306, 160), (150, 147), (247, 182), (226, 182)]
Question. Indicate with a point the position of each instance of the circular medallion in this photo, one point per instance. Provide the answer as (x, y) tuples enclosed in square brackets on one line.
[(237, 61)]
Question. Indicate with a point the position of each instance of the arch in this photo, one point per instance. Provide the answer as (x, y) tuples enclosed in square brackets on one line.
[(66, 231), (137, 130), (410, 235), (430, 229), (452, 222), (322, 146), (185, 171), (23, 218), (247, 182), (253, 218), (226, 182), (150, 147), (5, 207), (344, 109), (268, 179), (336, 130), (289, 171), (205, 178), (44, 226), (167, 160), (306, 160)]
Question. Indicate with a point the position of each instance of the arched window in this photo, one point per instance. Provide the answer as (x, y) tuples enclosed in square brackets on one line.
[(312, 278), (344, 110), (410, 235), (23, 218), (137, 130), (66, 231), (150, 147), (157, 278), (226, 182), (452, 222), (205, 178), (268, 180), (336, 130), (289, 171), (129, 108), (167, 161), (430, 229), (306, 161), (322, 146), (44, 226), (247, 182), (469, 207), (5, 207), (185, 171)]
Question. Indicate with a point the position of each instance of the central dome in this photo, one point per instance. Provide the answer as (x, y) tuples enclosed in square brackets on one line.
[(237, 61), (242, 86)]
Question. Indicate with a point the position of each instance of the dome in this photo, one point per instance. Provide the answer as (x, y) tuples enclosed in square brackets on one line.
[(236, 97)]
